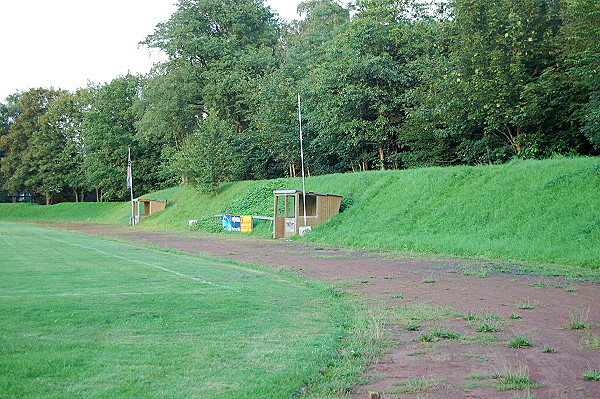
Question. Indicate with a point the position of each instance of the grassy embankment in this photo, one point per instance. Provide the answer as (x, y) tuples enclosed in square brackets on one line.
[(542, 212), (86, 317)]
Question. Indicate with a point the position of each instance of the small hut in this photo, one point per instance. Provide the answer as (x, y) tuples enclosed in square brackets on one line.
[(290, 213), (147, 207)]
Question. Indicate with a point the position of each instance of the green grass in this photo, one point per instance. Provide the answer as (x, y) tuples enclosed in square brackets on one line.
[(488, 328), (538, 216), (591, 375), (591, 340), (84, 317), (438, 335), (543, 212), (417, 385), (97, 212), (516, 378), (412, 327), (525, 305), (519, 343), (549, 350), (579, 320)]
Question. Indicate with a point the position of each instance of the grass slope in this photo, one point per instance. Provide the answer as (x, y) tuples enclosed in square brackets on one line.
[(535, 211), (543, 211), (84, 317)]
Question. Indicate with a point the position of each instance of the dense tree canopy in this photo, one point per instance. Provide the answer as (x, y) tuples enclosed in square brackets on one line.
[(384, 84)]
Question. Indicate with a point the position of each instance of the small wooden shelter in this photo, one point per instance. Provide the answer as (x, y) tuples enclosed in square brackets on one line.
[(147, 207), (290, 214)]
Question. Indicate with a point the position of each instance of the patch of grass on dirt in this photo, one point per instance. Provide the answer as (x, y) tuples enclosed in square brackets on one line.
[(514, 378), (416, 353), (402, 315), (591, 340), (372, 328), (412, 327), (417, 385), (475, 356), (470, 316), (481, 272), (519, 342), (591, 375), (474, 385), (489, 328), (483, 339), (439, 335), (526, 305), (479, 381), (579, 319)]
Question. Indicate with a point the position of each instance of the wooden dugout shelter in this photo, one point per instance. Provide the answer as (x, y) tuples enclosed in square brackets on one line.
[(147, 207), (289, 210)]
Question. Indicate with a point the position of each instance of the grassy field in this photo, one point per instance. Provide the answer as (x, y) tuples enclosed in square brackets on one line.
[(84, 317), (96, 212)]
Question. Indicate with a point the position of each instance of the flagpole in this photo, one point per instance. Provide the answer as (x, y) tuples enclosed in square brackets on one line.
[(302, 159), (130, 185)]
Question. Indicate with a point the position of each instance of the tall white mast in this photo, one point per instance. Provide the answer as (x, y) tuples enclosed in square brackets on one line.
[(130, 185), (302, 159)]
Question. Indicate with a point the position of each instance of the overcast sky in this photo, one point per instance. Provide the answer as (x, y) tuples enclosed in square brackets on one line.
[(66, 43)]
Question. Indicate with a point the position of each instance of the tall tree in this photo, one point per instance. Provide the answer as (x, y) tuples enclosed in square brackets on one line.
[(9, 110), (224, 47), (275, 122), (168, 107), (108, 131), (359, 93), (58, 147), (206, 160), (20, 162), (504, 52), (581, 53)]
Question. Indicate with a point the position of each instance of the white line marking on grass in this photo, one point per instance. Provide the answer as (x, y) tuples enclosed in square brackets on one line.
[(164, 269), (94, 294)]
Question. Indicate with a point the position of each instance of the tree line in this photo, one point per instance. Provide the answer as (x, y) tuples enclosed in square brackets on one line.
[(385, 84)]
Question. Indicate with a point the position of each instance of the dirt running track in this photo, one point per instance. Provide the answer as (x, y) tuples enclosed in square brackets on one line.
[(458, 368)]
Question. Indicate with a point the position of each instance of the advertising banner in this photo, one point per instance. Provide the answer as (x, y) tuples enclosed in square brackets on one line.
[(246, 223), (231, 222)]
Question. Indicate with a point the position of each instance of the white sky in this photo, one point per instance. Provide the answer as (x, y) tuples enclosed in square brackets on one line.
[(66, 43)]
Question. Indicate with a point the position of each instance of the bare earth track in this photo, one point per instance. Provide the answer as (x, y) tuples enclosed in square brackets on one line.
[(461, 368)]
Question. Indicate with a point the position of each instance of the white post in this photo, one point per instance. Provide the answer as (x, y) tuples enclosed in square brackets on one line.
[(130, 185), (302, 159)]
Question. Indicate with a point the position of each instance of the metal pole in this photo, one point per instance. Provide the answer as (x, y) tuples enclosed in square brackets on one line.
[(302, 159), (130, 184)]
